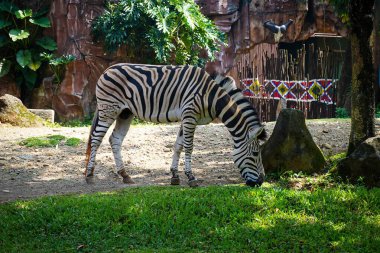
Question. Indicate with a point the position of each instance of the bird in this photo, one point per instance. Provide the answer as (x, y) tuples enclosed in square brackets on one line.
[(278, 30)]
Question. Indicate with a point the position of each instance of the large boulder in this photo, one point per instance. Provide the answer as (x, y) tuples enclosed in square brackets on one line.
[(363, 163), (13, 112), (291, 146)]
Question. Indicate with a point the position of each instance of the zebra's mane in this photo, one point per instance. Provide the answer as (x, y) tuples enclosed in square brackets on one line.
[(228, 84)]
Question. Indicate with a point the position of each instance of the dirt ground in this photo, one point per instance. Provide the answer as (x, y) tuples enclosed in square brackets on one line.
[(147, 150)]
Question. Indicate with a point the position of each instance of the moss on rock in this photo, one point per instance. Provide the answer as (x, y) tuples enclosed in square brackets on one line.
[(13, 112), (363, 164), (291, 146)]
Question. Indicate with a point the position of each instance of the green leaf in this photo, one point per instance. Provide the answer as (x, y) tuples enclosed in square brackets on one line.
[(41, 12), (24, 57), (21, 14), (188, 13), (46, 56), (8, 7), (3, 40), (43, 22), (34, 65), (47, 43), (5, 66), (4, 23), (17, 34), (30, 77)]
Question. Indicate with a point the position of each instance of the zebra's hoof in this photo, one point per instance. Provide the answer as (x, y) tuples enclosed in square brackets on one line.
[(194, 183), (90, 180), (128, 180), (174, 181)]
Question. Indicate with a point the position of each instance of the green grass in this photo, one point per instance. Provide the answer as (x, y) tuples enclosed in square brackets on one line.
[(49, 141), (73, 142), (208, 219), (77, 123)]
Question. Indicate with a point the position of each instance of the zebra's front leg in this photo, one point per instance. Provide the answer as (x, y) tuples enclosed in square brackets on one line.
[(188, 137), (178, 146), (123, 123)]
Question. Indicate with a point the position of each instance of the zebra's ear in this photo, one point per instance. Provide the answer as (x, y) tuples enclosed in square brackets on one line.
[(254, 133)]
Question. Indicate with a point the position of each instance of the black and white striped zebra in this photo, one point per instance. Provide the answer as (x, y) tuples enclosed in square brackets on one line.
[(169, 94)]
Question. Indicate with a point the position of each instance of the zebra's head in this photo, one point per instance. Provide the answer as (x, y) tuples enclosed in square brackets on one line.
[(247, 158)]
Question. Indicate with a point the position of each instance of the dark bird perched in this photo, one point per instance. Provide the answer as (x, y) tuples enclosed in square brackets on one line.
[(278, 30)]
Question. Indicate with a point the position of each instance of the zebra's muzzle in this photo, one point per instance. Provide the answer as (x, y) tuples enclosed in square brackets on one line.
[(256, 183)]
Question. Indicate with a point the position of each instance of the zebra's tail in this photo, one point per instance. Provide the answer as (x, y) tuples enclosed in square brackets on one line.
[(88, 151)]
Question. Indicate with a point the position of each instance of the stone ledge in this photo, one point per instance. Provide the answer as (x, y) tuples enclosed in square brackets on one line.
[(46, 114)]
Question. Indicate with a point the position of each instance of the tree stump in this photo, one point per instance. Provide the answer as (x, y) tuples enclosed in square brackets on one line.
[(291, 146)]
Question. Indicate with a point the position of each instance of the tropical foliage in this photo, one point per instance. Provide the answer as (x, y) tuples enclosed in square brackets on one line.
[(158, 31), (341, 8), (57, 65), (22, 43)]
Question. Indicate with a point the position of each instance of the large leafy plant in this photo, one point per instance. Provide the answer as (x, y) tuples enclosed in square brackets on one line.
[(22, 42), (158, 31)]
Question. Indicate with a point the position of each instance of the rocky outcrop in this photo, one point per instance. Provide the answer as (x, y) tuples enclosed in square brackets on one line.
[(363, 164), (13, 112), (9, 86), (291, 146), (241, 20), (71, 27)]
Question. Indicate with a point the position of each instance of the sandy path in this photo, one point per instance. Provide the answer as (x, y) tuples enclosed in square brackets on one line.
[(31, 172)]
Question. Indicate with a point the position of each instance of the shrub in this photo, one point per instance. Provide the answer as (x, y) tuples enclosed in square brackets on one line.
[(341, 112), (172, 31), (22, 43)]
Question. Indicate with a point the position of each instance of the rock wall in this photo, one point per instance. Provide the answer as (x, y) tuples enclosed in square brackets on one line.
[(242, 20), (71, 27), (244, 23)]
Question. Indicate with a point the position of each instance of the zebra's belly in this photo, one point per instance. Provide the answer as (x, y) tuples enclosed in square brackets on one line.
[(170, 116)]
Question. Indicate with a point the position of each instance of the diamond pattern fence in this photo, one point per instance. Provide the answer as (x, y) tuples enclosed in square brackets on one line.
[(306, 82)]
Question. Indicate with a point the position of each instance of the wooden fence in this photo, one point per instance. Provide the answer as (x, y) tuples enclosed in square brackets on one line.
[(304, 79)]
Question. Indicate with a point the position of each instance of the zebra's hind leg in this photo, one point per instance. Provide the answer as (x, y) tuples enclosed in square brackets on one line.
[(178, 146), (99, 128), (123, 123)]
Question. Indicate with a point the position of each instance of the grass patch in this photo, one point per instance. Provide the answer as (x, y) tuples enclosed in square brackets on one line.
[(50, 141), (333, 161), (77, 123), (73, 142), (140, 122), (207, 219)]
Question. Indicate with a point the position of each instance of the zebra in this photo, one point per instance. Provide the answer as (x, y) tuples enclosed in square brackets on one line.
[(167, 93)]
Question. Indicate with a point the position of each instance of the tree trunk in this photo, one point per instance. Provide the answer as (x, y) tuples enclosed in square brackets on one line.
[(376, 49), (344, 84), (362, 91)]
